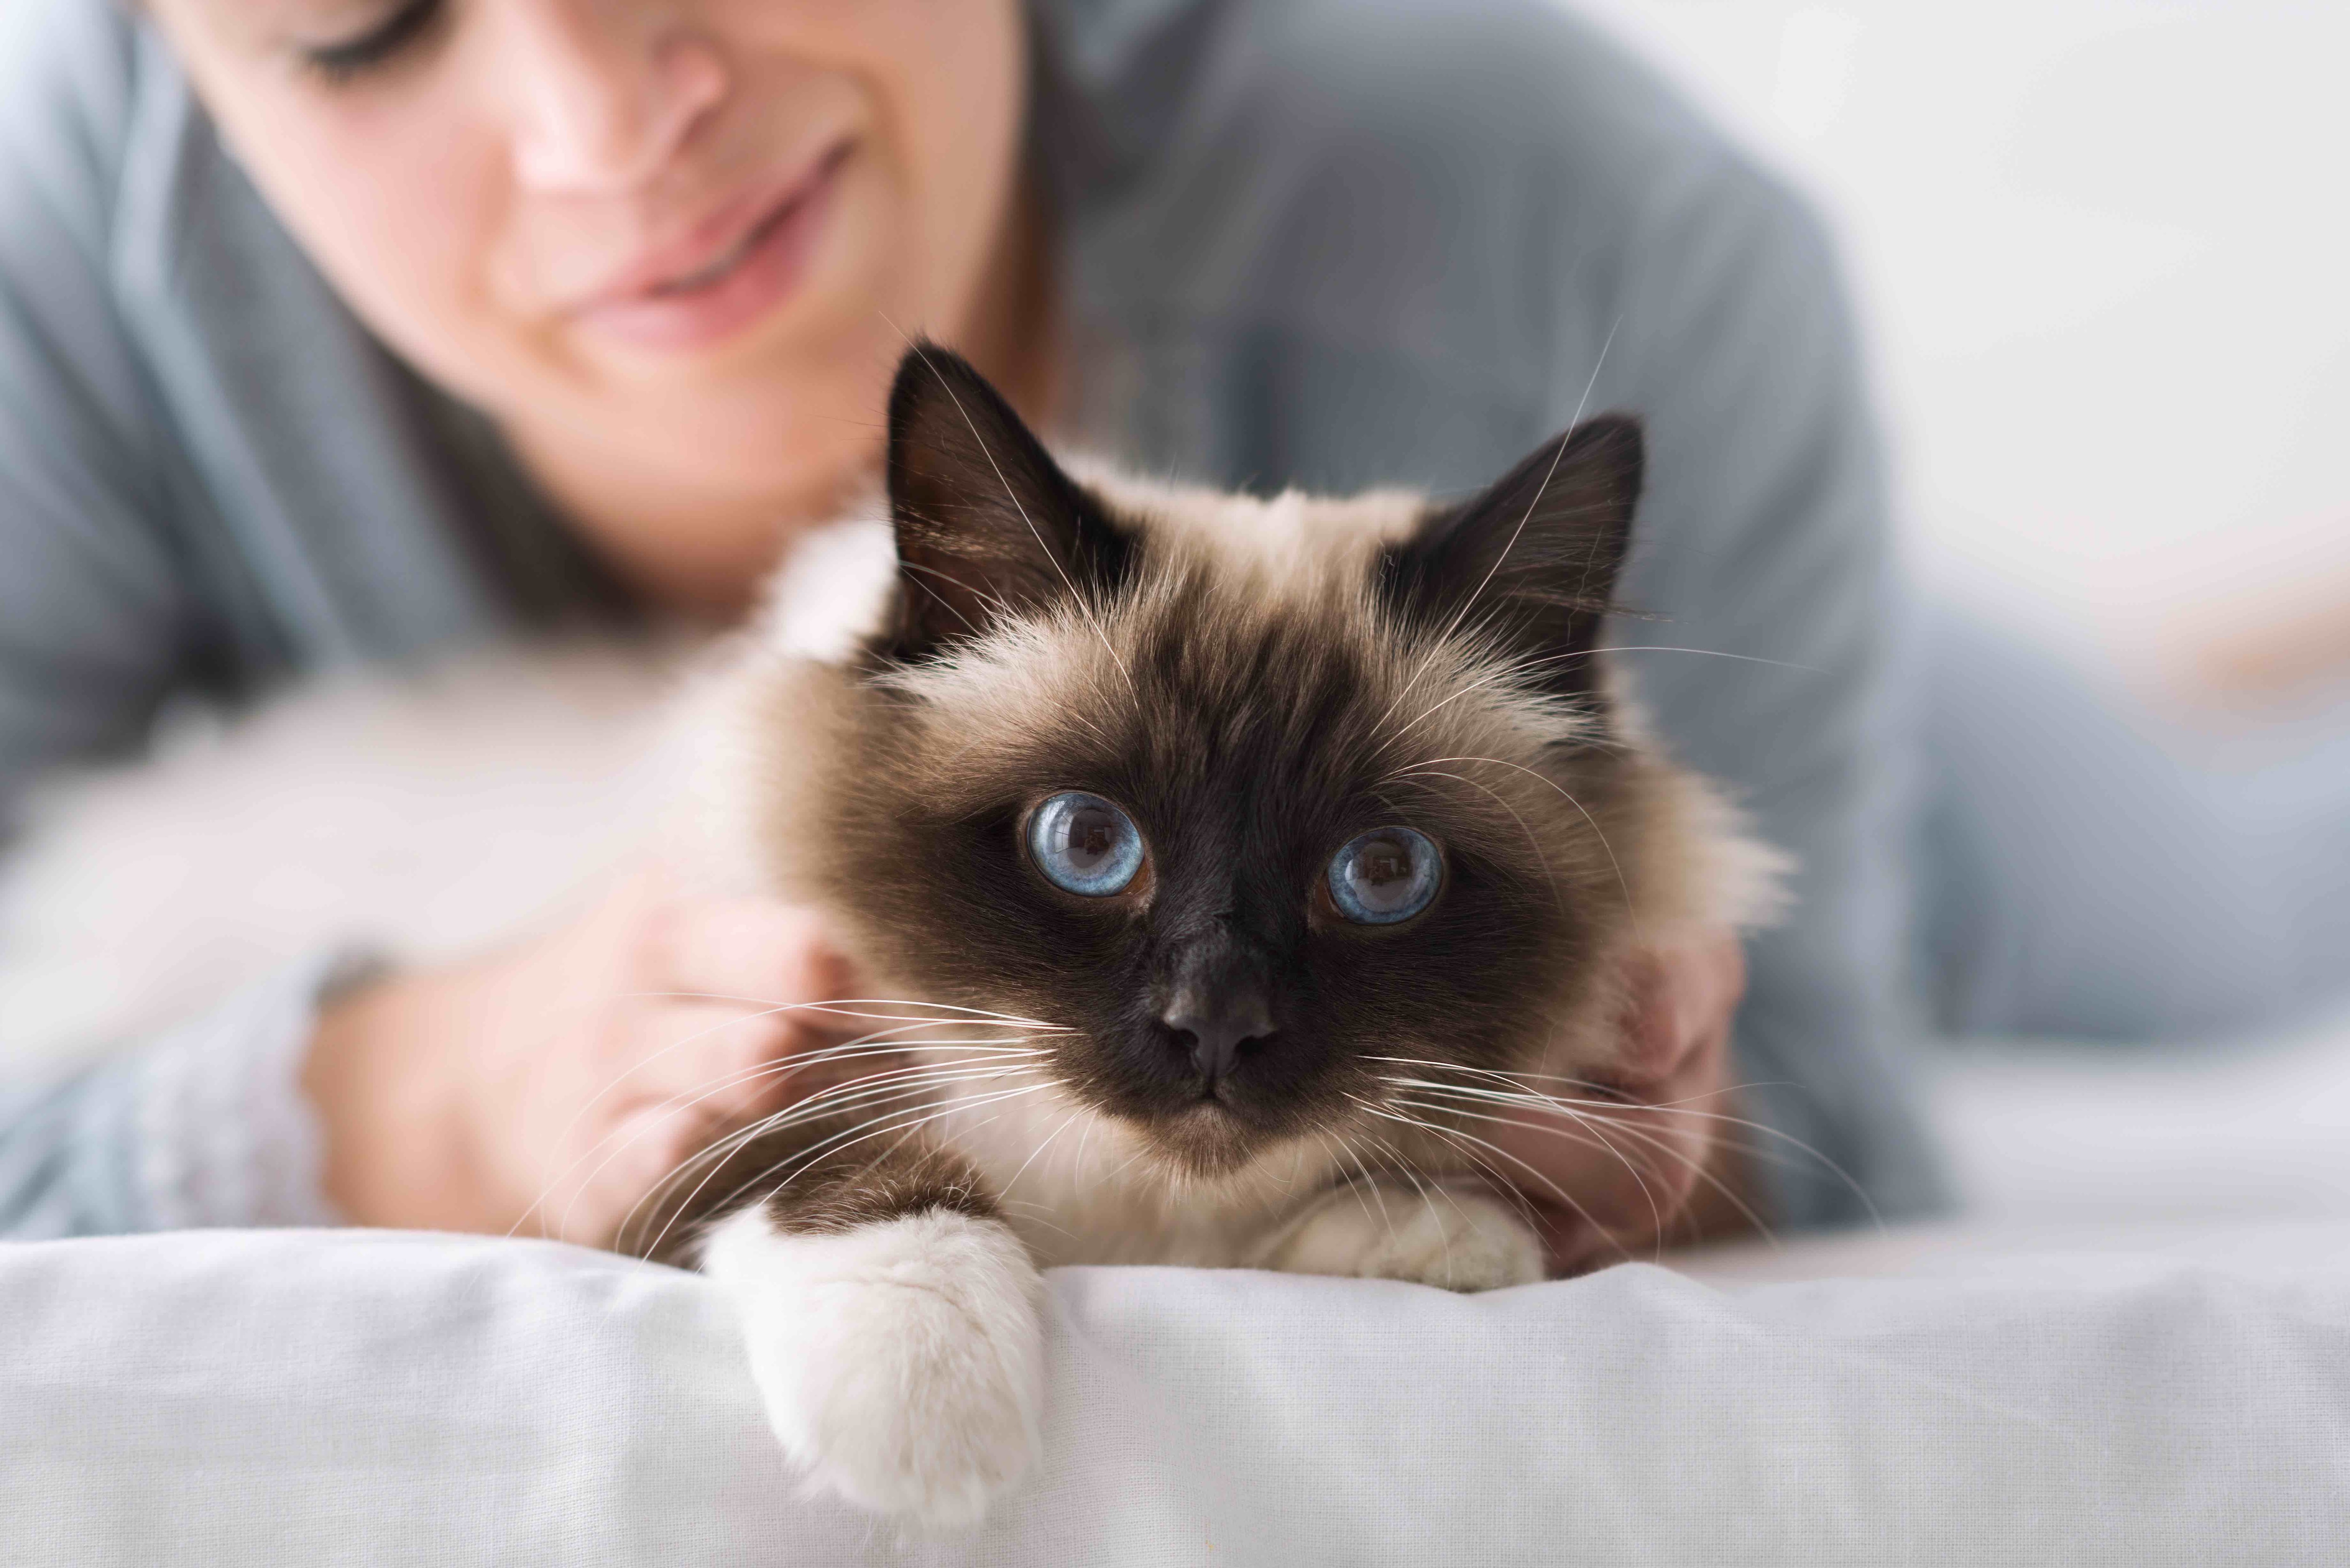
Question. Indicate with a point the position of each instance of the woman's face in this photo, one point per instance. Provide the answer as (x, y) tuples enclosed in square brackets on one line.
[(681, 235)]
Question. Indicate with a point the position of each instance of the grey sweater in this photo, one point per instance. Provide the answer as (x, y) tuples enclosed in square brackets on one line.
[(1324, 243)]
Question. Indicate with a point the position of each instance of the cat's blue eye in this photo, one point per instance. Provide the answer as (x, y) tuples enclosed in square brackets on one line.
[(1386, 875), (1085, 844)]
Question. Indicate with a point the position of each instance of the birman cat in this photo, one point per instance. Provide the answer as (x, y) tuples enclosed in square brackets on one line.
[(1221, 869)]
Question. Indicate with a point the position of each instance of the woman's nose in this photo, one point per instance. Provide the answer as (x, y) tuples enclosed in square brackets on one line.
[(606, 91)]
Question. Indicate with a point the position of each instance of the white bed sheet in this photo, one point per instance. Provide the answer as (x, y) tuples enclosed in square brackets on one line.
[(2139, 1352), (289, 1397), (2079, 1135)]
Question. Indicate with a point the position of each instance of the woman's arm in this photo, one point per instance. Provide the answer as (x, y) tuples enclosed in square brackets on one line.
[(1768, 546), (95, 621), (554, 1087)]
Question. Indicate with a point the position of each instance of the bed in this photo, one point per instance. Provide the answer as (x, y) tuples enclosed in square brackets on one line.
[(2137, 1350)]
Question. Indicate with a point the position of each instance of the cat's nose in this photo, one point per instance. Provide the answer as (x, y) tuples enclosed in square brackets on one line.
[(1218, 1025)]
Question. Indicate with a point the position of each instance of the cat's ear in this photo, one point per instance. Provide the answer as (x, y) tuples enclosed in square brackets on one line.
[(987, 524), (1534, 559)]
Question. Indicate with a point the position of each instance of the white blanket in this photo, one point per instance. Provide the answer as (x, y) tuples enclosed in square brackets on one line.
[(290, 1398)]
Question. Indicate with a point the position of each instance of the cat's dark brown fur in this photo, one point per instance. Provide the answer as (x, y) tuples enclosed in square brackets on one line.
[(1208, 1064)]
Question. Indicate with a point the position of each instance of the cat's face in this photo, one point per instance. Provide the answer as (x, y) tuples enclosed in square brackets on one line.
[(1259, 803)]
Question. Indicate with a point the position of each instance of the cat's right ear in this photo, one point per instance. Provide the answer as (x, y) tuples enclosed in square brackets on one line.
[(987, 524)]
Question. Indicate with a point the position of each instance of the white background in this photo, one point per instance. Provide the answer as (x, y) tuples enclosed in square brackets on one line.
[(2103, 252)]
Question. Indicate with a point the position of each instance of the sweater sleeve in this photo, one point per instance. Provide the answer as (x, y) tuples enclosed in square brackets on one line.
[(1766, 553), (204, 1126), (99, 625), (96, 620)]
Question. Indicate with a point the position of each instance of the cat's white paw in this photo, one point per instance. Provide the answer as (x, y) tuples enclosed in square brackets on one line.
[(901, 1361), (1460, 1238)]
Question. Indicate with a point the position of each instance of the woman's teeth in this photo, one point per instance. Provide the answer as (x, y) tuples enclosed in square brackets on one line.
[(727, 261)]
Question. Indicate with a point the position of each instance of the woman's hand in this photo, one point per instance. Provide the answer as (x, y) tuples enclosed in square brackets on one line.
[(1643, 1163), (550, 1087)]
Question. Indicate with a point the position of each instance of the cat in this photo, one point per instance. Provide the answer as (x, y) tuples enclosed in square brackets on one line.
[(1208, 825), (1225, 861)]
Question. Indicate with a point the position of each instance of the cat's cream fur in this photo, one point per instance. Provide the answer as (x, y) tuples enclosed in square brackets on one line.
[(898, 1355)]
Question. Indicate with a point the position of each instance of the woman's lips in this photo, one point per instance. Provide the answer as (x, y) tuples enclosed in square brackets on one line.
[(728, 280)]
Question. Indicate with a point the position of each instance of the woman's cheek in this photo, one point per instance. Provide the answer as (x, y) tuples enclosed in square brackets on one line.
[(398, 198)]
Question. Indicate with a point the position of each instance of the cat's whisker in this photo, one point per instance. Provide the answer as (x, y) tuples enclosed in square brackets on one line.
[(1045, 1144), (1127, 1164), (1402, 1167), (1494, 677), (782, 1065), (1578, 1133), (824, 1103), (910, 1079), (809, 1156), (1607, 1094), (844, 1005), (1495, 1179), (1613, 1241), (921, 1116), (1537, 1101), (1540, 1115), (1371, 1182), (918, 1077), (1038, 1214), (1615, 1108), (1265, 1199), (717, 1152), (1566, 1198), (1598, 832), (1550, 879), (1471, 1146), (1593, 1135), (1646, 1139), (1659, 648), (618, 1078), (1791, 1147), (1496, 1182), (1582, 1131), (1565, 439), (799, 1060), (779, 1068), (1336, 1147), (1618, 1117), (1001, 605), (1082, 600)]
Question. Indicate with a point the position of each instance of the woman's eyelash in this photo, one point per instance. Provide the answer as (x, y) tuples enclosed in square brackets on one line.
[(379, 45)]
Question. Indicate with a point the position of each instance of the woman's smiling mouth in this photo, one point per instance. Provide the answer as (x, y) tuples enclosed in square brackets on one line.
[(728, 273)]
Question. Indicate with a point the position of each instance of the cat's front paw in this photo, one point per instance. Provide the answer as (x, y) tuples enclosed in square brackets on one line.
[(901, 1361), (1459, 1238)]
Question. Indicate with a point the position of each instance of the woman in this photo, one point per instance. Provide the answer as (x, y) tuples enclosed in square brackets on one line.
[(350, 329)]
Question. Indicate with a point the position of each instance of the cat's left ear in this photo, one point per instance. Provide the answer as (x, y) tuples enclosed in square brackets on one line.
[(987, 524), (1534, 559)]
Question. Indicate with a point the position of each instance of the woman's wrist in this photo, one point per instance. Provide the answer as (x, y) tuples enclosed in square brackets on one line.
[(398, 1152)]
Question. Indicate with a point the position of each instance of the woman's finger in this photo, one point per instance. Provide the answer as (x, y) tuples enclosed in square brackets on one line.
[(1609, 1175), (731, 1057), (1678, 996), (754, 949), (650, 1145)]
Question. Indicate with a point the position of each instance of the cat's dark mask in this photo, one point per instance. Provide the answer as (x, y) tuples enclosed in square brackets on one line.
[(1255, 799)]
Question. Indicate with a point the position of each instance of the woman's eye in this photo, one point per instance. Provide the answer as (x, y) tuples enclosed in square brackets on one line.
[(1084, 846), (1386, 875), (379, 45)]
